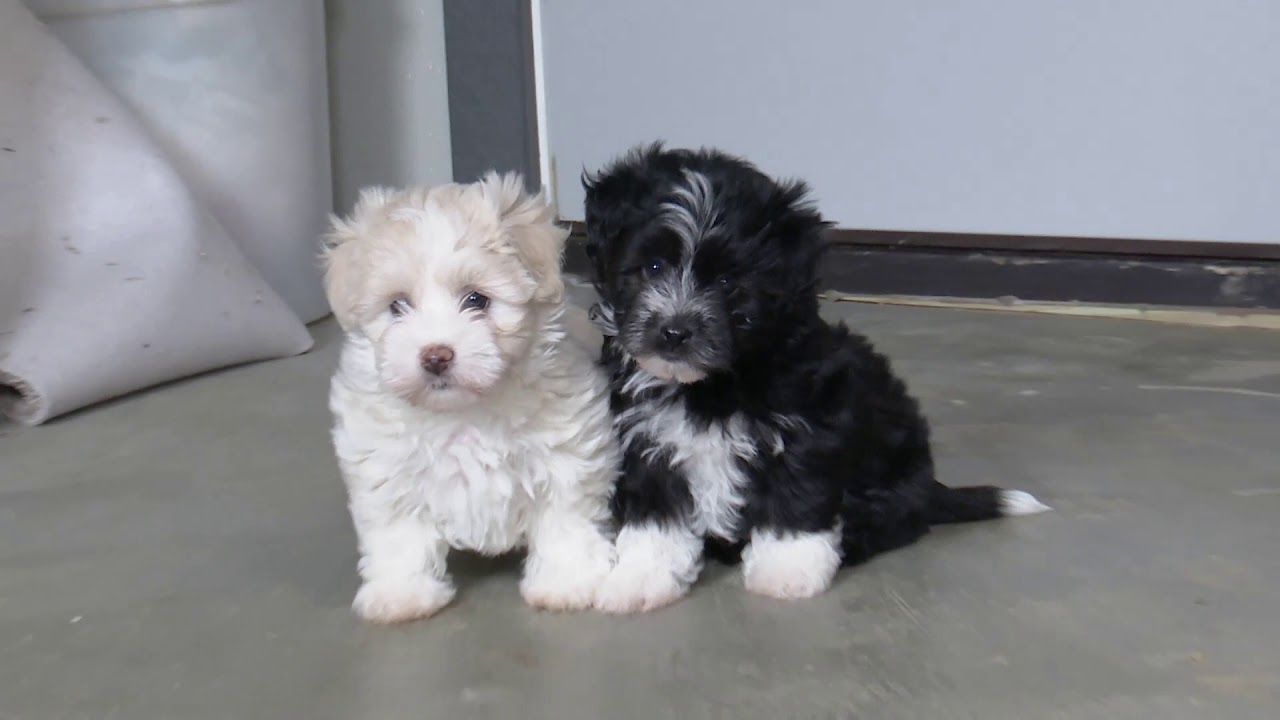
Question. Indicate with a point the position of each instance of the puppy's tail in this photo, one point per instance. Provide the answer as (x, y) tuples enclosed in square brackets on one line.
[(984, 502)]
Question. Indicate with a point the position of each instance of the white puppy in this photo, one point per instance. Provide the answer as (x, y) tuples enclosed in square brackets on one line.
[(463, 415)]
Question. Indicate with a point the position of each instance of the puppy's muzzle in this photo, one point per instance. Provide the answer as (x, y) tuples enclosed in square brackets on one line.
[(673, 335), (436, 359)]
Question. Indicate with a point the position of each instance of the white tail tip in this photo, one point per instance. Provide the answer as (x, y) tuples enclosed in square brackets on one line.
[(1016, 502)]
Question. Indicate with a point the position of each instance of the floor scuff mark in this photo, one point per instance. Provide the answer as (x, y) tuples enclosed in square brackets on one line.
[(1169, 315), (1208, 389), (1255, 492)]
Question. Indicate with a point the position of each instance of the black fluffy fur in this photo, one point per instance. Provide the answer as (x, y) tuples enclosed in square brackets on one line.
[(856, 444)]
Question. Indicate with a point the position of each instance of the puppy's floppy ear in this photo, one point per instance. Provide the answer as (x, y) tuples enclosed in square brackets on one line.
[(592, 220), (592, 245), (345, 258), (796, 224), (616, 198), (530, 224)]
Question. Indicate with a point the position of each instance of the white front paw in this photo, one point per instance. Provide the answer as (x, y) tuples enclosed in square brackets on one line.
[(634, 588), (564, 583), (784, 583), (388, 601), (790, 567)]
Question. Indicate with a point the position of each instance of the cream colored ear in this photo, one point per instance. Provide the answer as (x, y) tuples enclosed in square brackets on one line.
[(530, 223), (342, 274), (343, 256)]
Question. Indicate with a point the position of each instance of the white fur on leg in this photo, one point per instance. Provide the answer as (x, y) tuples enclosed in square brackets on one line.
[(568, 560), (402, 562), (1017, 502), (656, 565), (792, 565)]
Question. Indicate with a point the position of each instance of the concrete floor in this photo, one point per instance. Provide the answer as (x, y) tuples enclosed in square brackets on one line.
[(186, 553)]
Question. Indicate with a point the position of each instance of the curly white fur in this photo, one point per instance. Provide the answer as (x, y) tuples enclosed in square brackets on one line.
[(512, 446)]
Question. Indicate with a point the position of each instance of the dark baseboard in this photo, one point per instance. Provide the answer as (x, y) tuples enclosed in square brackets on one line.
[(1055, 277), (1131, 247), (1042, 275), (1038, 244)]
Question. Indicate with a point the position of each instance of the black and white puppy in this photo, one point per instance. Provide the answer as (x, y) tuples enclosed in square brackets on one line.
[(747, 421)]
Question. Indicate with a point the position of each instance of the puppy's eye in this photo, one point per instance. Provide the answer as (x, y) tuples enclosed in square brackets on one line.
[(475, 301), (399, 306), (723, 280), (654, 268)]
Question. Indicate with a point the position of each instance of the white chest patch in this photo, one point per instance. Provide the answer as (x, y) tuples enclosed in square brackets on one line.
[(480, 492), (711, 460), (479, 487)]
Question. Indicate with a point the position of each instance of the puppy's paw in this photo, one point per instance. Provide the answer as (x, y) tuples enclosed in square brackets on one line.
[(562, 588), (785, 583), (632, 589), (791, 567), (567, 580), (395, 601)]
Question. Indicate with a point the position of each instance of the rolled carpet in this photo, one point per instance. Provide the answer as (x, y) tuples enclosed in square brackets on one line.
[(113, 276)]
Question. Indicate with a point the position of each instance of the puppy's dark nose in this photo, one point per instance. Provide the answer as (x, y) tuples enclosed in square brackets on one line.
[(675, 335), (436, 358)]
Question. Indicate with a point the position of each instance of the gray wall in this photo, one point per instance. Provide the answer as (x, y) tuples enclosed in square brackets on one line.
[(388, 95), (1145, 118)]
